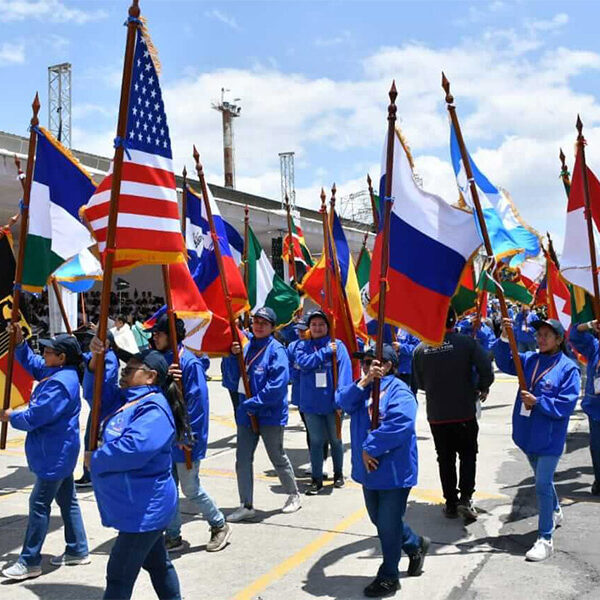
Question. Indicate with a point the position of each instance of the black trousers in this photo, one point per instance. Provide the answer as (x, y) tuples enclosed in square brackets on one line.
[(451, 439)]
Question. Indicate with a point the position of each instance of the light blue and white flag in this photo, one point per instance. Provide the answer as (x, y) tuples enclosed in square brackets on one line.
[(79, 273), (509, 235)]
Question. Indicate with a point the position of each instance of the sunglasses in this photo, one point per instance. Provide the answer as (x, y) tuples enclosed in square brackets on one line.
[(128, 370)]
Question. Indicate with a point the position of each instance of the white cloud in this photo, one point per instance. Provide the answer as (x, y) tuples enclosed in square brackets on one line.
[(46, 10), (11, 54), (336, 40), (557, 22), (223, 18)]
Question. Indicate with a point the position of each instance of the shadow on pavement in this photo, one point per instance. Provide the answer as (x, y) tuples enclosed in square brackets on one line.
[(64, 591), (11, 540), (20, 478)]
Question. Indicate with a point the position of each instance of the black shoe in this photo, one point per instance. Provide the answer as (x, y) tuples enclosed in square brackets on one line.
[(596, 488), (416, 560), (338, 480), (466, 510), (83, 482), (450, 511), (382, 588), (315, 488), (174, 544)]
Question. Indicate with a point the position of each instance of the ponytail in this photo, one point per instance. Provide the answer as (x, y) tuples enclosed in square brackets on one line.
[(174, 397)]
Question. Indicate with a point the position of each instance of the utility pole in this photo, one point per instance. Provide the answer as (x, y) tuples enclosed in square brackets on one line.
[(229, 110), (59, 102)]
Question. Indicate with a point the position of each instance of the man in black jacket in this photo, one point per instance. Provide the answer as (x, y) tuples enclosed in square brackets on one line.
[(454, 376)]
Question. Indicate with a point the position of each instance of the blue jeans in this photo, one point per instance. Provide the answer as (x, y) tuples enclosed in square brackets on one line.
[(543, 469), (595, 447), (192, 489), (247, 440), (320, 429), (131, 552), (40, 501), (386, 510)]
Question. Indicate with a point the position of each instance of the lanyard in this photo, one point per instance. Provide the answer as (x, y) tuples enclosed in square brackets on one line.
[(116, 412), (535, 380), (250, 362)]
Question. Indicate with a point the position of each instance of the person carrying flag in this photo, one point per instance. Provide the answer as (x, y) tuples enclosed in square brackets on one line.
[(385, 463), (541, 418), (195, 393), (405, 345), (314, 358), (132, 472), (268, 372), (524, 329), (51, 421)]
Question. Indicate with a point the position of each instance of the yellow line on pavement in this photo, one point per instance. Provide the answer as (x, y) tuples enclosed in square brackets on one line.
[(298, 558)]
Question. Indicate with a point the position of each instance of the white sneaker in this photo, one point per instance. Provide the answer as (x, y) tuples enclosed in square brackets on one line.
[(541, 550), (292, 504), (558, 517), (18, 571), (69, 560), (241, 514)]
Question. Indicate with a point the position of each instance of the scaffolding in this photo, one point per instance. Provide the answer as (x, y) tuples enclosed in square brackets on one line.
[(288, 186), (59, 102)]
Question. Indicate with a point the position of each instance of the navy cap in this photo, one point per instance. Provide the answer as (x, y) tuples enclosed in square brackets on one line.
[(162, 325), (554, 324), (301, 324), (388, 354), (317, 313), (266, 313), (154, 360), (63, 343)]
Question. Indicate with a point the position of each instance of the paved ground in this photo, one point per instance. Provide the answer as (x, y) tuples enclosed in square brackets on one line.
[(327, 549)]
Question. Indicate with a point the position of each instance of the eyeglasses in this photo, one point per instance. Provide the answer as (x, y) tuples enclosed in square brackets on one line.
[(128, 370)]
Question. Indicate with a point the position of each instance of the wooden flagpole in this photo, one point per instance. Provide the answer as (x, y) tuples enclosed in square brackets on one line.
[(486, 238), (61, 304), (184, 205), (245, 260), (14, 319), (385, 248), (217, 249), (588, 217), (373, 204), (564, 172), (132, 25), (291, 258), (174, 344), (84, 319), (363, 249)]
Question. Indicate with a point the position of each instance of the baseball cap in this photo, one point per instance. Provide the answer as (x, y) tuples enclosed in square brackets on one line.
[(63, 343), (554, 324), (317, 313), (388, 354), (162, 325), (266, 313), (154, 360)]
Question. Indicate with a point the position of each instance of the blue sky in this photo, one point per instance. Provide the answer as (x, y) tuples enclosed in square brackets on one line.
[(314, 76)]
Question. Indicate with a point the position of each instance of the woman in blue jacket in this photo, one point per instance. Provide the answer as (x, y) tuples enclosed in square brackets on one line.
[(268, 371), (583, 339), (51, 421), (385, 463), (195, 393), (317, 395), (132, 474), (541, 417)]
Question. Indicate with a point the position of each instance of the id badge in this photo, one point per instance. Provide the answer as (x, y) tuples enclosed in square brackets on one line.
[(321, 379), (241, 388), (596, 385), (525, 412)]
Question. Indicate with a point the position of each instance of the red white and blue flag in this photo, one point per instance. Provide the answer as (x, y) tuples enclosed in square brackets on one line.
[(148, 225), (430, 245)]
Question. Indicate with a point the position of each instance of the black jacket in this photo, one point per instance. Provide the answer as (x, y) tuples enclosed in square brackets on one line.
[(451, 375)]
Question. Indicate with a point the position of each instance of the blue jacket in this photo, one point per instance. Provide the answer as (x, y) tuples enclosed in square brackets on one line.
[(110, 402), (544, 431), (204, 361), (268, 370), (312, 357), (294, 372), (408, 343), (229, 370), (528, 335), (485, 336), (393, 443), (131, 470), (195, 394), (51, 419), (288, 334), (587, 344)]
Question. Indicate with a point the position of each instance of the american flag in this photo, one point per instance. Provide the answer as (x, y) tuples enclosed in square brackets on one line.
[(148, 225)]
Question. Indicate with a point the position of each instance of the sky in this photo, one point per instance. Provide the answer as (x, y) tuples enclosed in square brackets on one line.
[(313, 78)]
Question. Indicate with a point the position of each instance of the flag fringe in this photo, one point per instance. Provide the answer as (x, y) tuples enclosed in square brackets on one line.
[(150, 45)]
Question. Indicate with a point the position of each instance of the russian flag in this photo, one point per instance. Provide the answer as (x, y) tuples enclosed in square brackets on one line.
[(203, 261), (430, 245)]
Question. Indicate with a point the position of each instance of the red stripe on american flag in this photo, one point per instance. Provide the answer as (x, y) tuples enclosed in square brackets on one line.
[(137, 205), (141, 239), (150, 175)]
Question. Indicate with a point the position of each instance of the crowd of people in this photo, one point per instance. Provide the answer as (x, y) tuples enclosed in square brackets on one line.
[(155, 414)]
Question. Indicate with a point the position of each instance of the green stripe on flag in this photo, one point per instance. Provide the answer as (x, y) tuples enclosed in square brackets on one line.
[(40, 262)]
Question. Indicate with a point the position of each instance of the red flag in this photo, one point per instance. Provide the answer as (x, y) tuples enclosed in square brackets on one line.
[(558, 295)]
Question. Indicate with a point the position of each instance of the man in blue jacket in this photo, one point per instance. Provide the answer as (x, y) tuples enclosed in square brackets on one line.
[(195, 393), (268, 372), (385, 463), (524, 331), (405, 345), (584, 339), (51, 421)]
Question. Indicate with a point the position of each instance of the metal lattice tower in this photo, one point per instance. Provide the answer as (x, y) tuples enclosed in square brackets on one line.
[(288, 186), (229, 110), (59, 102), (356, 206)]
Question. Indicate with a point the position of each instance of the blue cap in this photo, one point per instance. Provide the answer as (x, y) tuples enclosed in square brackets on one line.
[(154, 360), (267, 313), (388, 354), (63, 343), (554, 324)]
